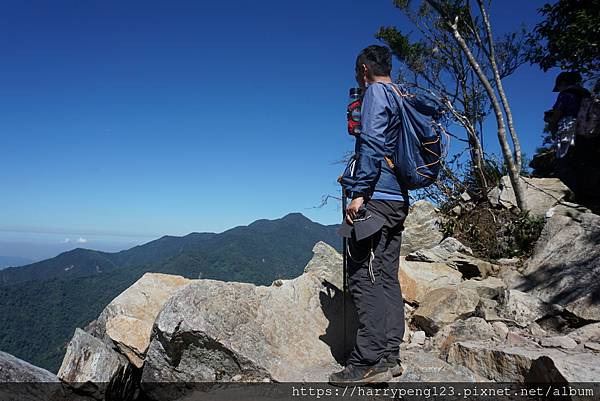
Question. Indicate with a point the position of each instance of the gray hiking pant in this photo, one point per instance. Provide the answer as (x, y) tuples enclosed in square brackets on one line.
[(376, 292)]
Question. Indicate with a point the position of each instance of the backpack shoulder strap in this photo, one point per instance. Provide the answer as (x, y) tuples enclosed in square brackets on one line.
[(395, 89)]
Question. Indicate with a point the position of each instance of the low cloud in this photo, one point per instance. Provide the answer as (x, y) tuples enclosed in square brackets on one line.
[(66, 241), (81, 240)]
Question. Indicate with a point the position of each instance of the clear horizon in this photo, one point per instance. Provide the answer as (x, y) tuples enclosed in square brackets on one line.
[(146, 119)]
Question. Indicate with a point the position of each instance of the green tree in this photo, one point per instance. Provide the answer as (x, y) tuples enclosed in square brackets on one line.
[(458, 58), (568, 37)]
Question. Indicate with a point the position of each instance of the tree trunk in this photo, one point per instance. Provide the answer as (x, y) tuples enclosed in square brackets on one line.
[(513, 172), (492, 57), (475, 148)]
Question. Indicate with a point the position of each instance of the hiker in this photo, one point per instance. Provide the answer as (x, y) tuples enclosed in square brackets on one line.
[(374, 220), (579, 168)]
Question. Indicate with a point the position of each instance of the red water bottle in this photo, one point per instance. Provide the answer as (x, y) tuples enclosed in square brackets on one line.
[(353, 111)]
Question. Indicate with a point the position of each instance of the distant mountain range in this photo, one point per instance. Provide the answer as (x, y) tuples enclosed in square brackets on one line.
[(8, 261), (42, 303)]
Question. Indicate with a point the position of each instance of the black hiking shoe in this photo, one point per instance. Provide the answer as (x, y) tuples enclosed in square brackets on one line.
[(362, 374), (393, 363)]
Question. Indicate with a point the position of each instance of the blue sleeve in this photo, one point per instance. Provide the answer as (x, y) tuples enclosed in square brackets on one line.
[(371, 142)]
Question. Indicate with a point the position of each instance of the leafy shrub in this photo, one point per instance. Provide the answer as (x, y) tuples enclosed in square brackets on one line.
[(494, 233)]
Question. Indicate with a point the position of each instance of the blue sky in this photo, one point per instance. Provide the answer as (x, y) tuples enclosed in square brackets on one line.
[(143, 118)]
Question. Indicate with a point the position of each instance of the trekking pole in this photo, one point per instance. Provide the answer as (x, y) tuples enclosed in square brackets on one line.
[(344, 264)]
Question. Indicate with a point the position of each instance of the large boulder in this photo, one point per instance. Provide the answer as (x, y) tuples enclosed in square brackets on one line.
[(419, 278), (523, 308), (22, 381), (454, 254), (490, 288), (505, 363), (443, 306), (13, 369), (473, 328), (422, 228), (587, 333), (127, 320), (226, 331), (94, 368), (565, 267), (422, 367), (540, 193)]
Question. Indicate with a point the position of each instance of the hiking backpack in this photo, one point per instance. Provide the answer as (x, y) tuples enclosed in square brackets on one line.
[(418, 151), (588, 117)]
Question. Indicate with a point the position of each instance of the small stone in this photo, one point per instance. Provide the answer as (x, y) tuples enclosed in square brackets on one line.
[(523, 308), (418, 337), (516, 339), (587, 333), (501, 329), (508, 261), (536, 330), (465, 197), (592, 346), (456, 210), (558, 342)]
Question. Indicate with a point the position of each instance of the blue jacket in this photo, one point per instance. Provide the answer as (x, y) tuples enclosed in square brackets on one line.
[(367, 171)]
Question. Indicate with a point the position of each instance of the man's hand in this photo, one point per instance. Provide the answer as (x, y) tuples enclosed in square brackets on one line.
[(352, 209)]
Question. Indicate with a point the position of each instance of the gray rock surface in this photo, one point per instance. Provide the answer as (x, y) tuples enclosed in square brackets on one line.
[(422, 228), (592, 346), (565, 267), (490, 287), (589, 332), (541, 194), (511, 277), (558, 342), (452, 253), (500, 362), (443, 306), (501, 330), (474, 328), (568, 209), (94, 368), (417, 279), (423, 366), (213, 330), (13, 369), (128, 319), (22, 381), (441, 252), (523, 308)]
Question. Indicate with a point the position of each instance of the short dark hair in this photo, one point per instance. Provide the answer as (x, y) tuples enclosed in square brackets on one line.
[(377, 58)]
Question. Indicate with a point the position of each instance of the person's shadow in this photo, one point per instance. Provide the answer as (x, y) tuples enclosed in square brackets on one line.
[(333, 308)]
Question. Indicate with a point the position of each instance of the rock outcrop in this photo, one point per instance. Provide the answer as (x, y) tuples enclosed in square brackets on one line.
[(224, 331), (467, 319), (565, 267), (443, 306), (22, 381), (94, 368), (452, 253), (422, 228), (13, 369), (503, 363), (128, 319), (417, 279), (541, 194)]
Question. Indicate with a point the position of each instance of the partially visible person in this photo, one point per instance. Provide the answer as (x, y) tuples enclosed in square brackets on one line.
[(579, 168)]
